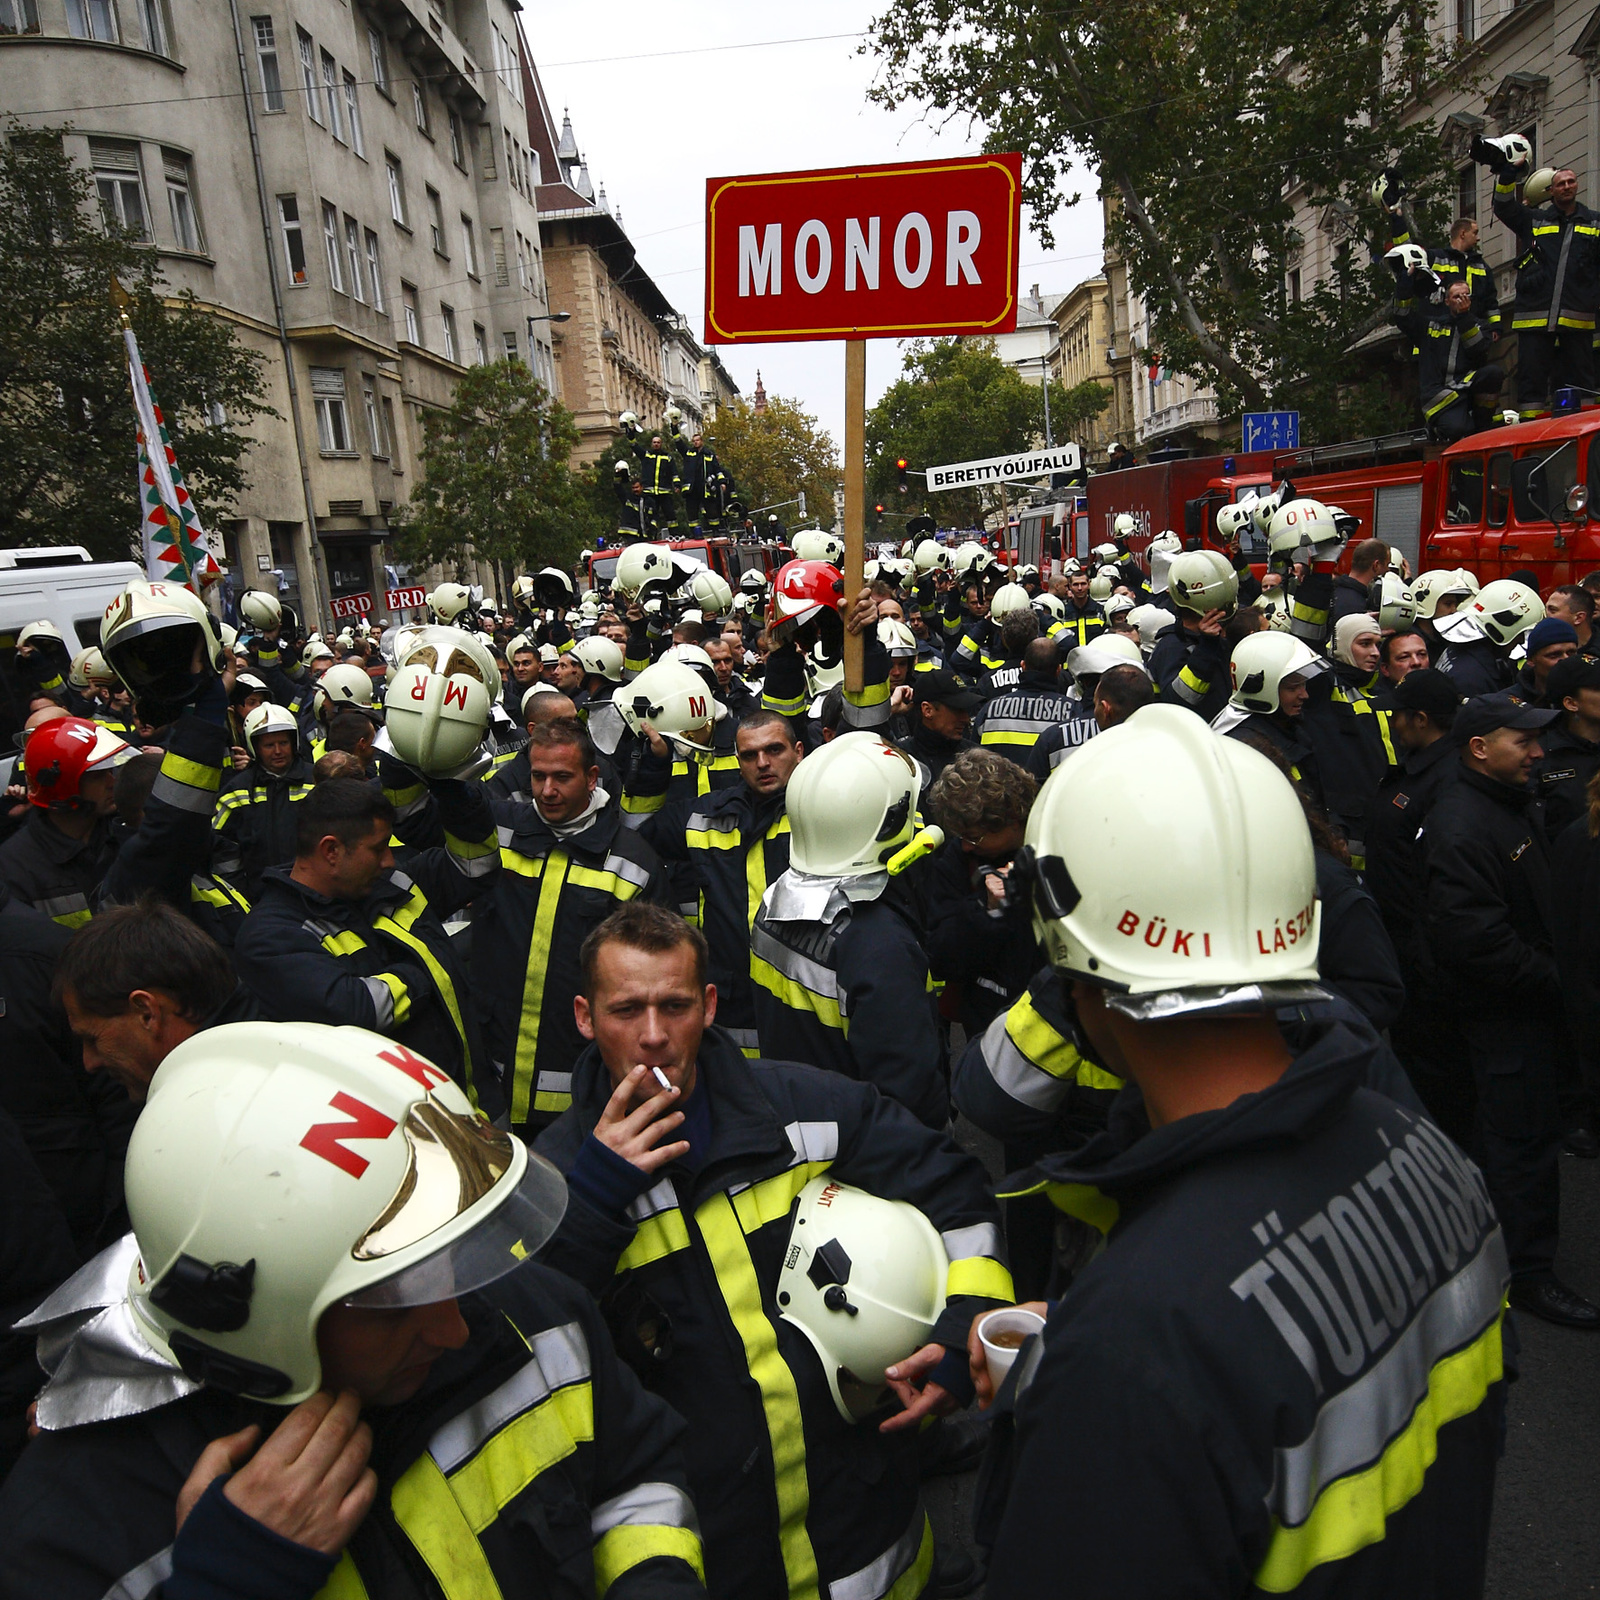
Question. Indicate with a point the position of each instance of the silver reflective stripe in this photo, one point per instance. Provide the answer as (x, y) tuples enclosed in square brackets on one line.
[(689, 909), (479, 866), (878, 1577), (504, 835), (560, 1357), (185, 796), (663, 1197), (981, 1239), (144, 1578), (1182, 690), (1015, 1074), (1354, 1427), (745, 1038), (814, 1141), (382, 1002), (702, 822), (811, 974), (61, 905), (1553, 323), (318, 929), (628, 871), (555, 1083), (404, 808), (648, 1505), (1033, 725)]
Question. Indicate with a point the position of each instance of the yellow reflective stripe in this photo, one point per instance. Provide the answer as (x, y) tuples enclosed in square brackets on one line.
[(871, 694), (772, 1199), (398, 993), (999, 737), (786, 708), (915, 1578), (1188, 678), (980, 1275), (609, 882), (796, 996), (400, 926), (638, 804), (626, 1546), (712, 838), (344, 943), (73, 919), (526, 866), (470, 849), (344, 1582), (1050, 1051), (1086, 1203), (436, 1523), (516, 1455), (1388, 743), (755, 869), (780, 1399), (552, 1102), (1351, 1512), (664, 1234), (544, 922), (194, 773)]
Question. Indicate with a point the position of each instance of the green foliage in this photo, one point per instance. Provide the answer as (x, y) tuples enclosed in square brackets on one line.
[(772, 455), (67, 431), (960, 402), (1211, 129), (495, 478)]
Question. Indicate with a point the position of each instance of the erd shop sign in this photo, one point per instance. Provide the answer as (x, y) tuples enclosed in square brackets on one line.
[(895, 251)]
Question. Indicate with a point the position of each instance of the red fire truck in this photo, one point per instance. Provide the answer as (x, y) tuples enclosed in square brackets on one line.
[(725, 556)]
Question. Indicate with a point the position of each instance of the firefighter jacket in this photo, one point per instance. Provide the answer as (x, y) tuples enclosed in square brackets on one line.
[(1558, 269), (658, 471), (669, 786), (1450, 349), (58, 875), (1055, 744), (1350, 598), (845, 985), (1489, 914), (555, 887), (1290, 739), (531, 1465), (1291, 1345), (255, 821), (1450, 265), (1013, 721), (1354, 749), (932, 751), (383, 962), (792, 1500), (785, 688), (1396, 866), (693, 472), (1476, 667), (1561, 775), (974, 649), (1190, 668), (1311, 609), (1356, 959), (1080, 627), (730, 845)]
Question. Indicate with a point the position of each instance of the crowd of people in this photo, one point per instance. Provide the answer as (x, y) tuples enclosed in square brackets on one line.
[(480, 1093)]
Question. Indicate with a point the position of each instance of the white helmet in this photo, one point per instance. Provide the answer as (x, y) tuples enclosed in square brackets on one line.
[(864, 1280), (670, 698), (1537, 186), (230, 635), (451, 651), (435, 721), (1008, 598), (343, 685), (317, 649), (1397, 605), (671, 414), (1429, 588), (1203, 580), (1050, 608), (150, 634), (1160, 552), (449, 600), (1124, 525), (532, 693), (599, 658), (817, 544), (972, 560), (1514, 147), (863, 811), (1108, 650), (629, 422), (1410, 257), (522, 589), (710, 593), (643, 571), (1259, 664), (282, 1168), (1235, 520), (1505, 610), (1262, 509), (1115, 604), (1103, 582), (345, 640), (1148, 874), (89, 669), (1303, 530), (931, 556), (1023, 571), (897, 639), (260, 609), (1151, 621), (269, 718), (753, 581)]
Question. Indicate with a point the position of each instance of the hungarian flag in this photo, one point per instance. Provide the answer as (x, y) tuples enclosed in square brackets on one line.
[(176, 549)]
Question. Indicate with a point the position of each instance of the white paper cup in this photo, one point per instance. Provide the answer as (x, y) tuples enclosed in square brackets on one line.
[(1011, 1321)]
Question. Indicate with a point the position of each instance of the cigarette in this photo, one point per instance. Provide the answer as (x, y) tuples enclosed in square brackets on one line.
[(662, 1078)]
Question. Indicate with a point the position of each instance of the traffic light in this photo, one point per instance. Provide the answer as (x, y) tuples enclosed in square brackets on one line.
[(878, 509), (900, 466)]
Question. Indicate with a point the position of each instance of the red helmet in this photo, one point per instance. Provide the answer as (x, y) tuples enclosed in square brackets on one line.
[(60, 753), (804, 590)]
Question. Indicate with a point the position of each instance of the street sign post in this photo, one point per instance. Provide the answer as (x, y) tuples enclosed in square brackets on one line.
[(1271, 430), (914, 249), (1005, 469)]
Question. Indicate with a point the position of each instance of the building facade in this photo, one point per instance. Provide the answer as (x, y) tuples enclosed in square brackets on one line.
[(1080, 353), (342, 181)]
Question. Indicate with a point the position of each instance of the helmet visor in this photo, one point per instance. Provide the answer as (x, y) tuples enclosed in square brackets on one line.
[(160, 655), (519, 1226)]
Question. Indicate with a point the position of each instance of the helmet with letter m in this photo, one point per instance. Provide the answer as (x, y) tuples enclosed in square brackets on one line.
[(672, 699), (280, 1170)]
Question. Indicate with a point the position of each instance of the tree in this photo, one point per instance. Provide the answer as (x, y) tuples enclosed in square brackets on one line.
[(67, 431), (960, 402), (1210, 130), (775, 454), (495, 479)]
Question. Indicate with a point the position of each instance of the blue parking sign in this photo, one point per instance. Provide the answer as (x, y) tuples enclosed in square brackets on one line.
[(1272, 430)]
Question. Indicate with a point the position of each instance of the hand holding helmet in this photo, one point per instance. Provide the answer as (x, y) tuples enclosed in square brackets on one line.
[(1303, 532)]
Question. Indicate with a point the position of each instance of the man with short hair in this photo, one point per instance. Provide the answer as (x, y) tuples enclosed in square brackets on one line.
[(567, 864), (682, 1200), (1352, 591), (1083, 621), (1561, 776), (1013, 720), (353, 731), (731, 689), (1402, 652), (942, 703), (340, 936), (524, 674), (1574, 604), (1118, 692)]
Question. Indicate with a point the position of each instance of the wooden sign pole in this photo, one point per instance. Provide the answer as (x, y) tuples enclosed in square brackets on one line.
[(855, 498)]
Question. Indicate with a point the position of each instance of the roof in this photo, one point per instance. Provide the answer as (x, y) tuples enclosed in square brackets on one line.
[(1560, 426)]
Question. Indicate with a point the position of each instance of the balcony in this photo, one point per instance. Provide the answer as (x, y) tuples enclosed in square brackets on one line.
[(1182, 414), (415, 31)]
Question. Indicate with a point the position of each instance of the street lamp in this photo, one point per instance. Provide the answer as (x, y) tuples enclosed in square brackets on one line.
[(548, 316)]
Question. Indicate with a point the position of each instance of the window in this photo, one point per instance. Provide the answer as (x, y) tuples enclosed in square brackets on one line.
[(505, 64), (308, 74), (19, 16), (1467, 191), (448, 317), (480, 344), (333, 424), (93, 19), (330, 240), (1294, 287), (509, 339), (390, 438), (458, 144), (116, 178), (397, 189), (267, 63), (497, 254), (1463, 495), (436, 223), (505, 133), (408, 303), (374, 274), (352, 252), (294, 245), (180, 200), (352, 111), (380, 61), (330, 83), (1499, 488), (535, 175), (469, 246), (1540, 480), (369, 399), (419, 105), (1466, 19), (154, 26)]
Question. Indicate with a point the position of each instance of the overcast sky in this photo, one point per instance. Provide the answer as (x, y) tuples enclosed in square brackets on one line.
[(654, 129)]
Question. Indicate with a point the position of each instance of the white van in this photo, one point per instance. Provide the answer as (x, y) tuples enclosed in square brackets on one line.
[(64, 585)]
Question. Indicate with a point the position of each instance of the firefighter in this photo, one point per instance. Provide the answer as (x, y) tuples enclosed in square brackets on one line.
[(684, 1202), (942, 704), (630, 502), (1456, 385), (1558, 276), (695, 459), (658, 474), (567, 863), (1189, 664), (1571, 744), (805, 618), (1460, 261), (255, 815), (1482, 634), (1012, 722), (1108, 695), (507, 1451), (1272, 673), (1238, 1162), (601, 664), (838, 975), (1081, 617)]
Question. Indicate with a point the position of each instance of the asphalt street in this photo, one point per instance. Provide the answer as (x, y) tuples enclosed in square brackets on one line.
[(1544, 1543)]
